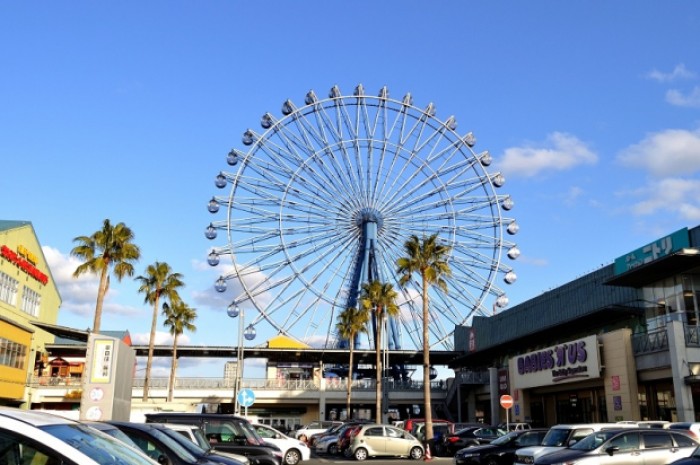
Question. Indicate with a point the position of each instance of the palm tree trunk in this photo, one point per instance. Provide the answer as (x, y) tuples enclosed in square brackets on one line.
[(151, 344), (427, 407), (378, 344), (348, 400), (173, 369), (101, 293)]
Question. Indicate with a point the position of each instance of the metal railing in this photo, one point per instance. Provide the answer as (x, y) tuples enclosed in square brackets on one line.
[(331, 384), (654, 341)]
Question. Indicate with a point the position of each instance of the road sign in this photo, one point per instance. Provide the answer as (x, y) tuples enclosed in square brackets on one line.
[(246, 397), (506, 401)]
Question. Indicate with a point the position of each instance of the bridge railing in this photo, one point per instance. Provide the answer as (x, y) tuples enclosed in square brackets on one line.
[(331, 384)]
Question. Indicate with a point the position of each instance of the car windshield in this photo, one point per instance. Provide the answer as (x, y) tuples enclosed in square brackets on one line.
[(555, 437), (184, 442), (201, 439), (101, 448), (593, 441), (119, 434), (507, 439)]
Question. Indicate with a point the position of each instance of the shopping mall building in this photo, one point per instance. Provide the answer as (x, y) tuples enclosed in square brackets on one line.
[(619, 343)]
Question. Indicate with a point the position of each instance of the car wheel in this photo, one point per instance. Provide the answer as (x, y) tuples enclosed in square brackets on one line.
[(333, 449), (360, 454), (491, 461), (292, 457), (416, 453)]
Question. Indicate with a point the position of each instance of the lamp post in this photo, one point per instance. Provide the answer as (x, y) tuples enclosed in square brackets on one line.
[(249, 334)]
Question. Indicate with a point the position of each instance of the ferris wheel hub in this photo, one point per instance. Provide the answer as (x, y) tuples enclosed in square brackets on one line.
[(369, 215)]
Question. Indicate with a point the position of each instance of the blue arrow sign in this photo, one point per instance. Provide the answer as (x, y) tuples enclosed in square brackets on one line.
[(246, 397)]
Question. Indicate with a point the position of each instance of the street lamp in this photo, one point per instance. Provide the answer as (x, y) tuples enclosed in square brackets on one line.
[(249, 334)]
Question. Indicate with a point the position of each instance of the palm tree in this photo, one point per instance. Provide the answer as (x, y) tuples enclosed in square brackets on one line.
[(110, 247), (381, 298), (351, 322), (428, 258), (178, 318), (158, 282)]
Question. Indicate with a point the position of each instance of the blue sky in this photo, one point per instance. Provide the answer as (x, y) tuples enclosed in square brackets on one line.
[(127, 110)]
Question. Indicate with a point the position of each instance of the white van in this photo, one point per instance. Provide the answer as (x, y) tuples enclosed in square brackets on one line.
[(558, 437)]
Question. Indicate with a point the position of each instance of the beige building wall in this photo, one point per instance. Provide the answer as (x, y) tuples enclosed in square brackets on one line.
[(620, 376)]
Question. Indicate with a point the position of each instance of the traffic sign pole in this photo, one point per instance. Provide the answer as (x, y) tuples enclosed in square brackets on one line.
[(507, 403)]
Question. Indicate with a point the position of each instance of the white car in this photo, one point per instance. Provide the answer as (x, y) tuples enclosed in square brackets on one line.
[(315, 427), (33, 437), (293, 450)]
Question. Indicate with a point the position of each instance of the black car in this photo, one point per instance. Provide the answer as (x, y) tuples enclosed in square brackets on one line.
[(500, 451), (204, 453), (226, 433), (155, 442), (471, 436)]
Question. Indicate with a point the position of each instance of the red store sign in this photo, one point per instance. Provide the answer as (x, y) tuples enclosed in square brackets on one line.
[(23, 264)]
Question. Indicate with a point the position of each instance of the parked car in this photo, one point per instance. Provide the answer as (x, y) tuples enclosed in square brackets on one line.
[(644, 423), (34, 437), (196, 435), (377, 440), (332, 431), (624, 446), (293, 450), (410, 424), (166, 446), (500, 451), (207, 452), (330, 443), (517, 426), (693, 459), (471, 436), (345, 438), (226, 433), (112, 431), (315, 427), (693, 429), (559, 437)]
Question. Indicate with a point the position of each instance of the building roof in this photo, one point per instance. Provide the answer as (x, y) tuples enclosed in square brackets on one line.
[(72, 342), (6, 225)]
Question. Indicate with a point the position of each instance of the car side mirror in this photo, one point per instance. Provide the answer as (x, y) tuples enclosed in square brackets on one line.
[(611, 450)]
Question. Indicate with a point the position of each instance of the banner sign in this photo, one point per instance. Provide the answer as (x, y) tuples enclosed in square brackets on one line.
[(653, 251), (564, 363)]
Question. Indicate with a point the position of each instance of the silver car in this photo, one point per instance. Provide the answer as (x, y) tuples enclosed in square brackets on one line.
[(377, 440), (622, 447)]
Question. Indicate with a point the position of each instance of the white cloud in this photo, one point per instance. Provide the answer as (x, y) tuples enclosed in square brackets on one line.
[(559, 152), (210, 298), (676, 97), (80, 294), (668, 153), (671, 195), (679, 72)]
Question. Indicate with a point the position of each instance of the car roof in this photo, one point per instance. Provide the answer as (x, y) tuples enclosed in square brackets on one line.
[(220, 416), (33, 417)]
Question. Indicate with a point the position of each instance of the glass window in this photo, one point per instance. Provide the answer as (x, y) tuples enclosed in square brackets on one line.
[(625, 442), (103, 449), (684, 441), (18, 450), (657, 441), (374, 432)]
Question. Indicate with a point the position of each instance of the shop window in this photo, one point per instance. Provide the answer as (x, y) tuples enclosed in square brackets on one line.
[(8, 289)]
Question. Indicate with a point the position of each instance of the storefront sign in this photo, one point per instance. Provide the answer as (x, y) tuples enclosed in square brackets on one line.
[(563, 363), (23, 260), (650, 252)]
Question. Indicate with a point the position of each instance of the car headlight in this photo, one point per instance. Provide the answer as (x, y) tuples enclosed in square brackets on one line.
[(467, 455)]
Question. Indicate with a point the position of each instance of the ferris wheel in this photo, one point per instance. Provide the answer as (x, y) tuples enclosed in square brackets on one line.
[(324, 197)]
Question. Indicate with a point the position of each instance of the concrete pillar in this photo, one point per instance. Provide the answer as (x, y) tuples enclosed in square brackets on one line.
[(495, 398), (679, 370)]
